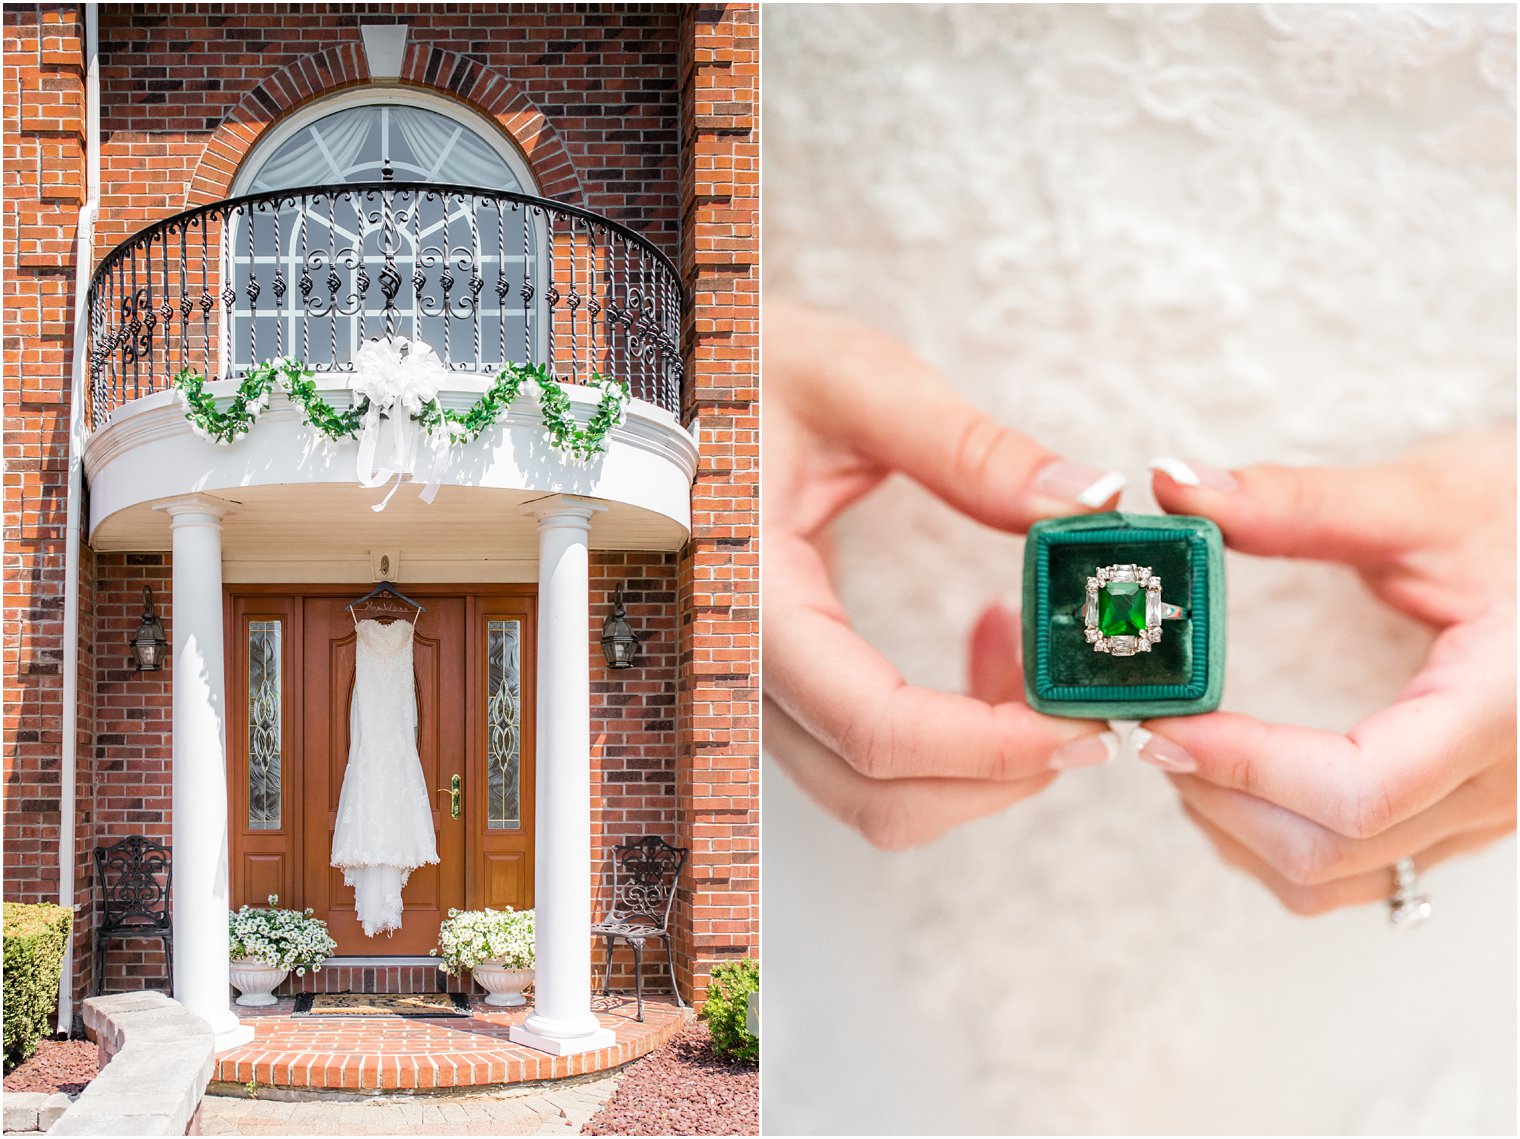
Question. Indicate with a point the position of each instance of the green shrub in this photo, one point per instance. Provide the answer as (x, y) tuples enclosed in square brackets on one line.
[(727, 1007), (35, 937)]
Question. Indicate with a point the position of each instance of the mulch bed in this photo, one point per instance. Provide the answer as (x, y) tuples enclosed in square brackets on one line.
[(683, 1088), (56, 1066)]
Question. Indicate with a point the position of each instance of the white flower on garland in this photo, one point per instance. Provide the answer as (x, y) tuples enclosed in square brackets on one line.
[(395, 406), (393, 370), (400, 378)]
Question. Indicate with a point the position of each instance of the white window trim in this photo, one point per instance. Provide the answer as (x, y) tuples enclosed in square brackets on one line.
[(462, 113)]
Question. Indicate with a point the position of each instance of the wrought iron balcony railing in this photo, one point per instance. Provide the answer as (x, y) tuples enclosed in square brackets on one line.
[(484, 277)]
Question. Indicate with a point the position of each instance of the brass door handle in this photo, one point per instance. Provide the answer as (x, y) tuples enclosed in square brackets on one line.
[(456, 796)]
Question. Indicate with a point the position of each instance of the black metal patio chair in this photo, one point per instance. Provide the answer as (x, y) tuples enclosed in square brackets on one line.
[(644, 875), (134, 879)]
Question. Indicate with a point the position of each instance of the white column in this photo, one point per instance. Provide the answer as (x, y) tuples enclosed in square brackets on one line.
[(562, 1021), (200, 768)]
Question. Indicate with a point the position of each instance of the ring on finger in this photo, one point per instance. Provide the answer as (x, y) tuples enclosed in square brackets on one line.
[(1407, 907)]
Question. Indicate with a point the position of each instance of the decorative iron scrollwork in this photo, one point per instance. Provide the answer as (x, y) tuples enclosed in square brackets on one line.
[(486, 277), (134, 881), (645, 874)]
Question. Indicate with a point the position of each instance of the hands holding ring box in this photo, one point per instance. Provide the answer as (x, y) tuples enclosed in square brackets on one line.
[(1321, 818)]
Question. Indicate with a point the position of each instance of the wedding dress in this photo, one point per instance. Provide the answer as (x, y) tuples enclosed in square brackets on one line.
[(1234, 233), (385, 818)]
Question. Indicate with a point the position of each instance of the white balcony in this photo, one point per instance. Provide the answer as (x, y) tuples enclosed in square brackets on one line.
[(485, 278)]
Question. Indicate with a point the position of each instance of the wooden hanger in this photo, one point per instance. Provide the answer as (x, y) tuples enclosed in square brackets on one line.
[(386, 587)]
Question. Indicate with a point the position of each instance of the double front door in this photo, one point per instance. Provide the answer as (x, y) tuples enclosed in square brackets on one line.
[(290, 678)]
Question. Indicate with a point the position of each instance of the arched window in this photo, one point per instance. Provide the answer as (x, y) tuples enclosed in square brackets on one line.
[(348, 255), (353, 143)]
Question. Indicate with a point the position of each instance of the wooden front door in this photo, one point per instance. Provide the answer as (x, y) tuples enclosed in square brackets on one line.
[(439, 660), (290, 682)]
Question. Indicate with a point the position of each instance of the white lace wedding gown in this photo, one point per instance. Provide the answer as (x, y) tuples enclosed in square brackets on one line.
[(385, 818), (1229, 232)]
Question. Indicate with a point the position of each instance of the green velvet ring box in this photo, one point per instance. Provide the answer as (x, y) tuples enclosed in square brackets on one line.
[(1182, 674)]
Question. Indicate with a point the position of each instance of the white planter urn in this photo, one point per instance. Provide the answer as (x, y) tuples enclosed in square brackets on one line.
[(257, 981), (504, 987)]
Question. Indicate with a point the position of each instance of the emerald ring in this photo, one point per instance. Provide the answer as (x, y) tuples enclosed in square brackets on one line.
[(1123, 612)]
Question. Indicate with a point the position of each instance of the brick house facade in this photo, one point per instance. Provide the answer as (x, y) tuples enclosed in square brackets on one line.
[(640, 114)]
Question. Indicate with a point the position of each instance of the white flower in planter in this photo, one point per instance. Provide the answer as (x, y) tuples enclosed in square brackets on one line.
[(284, 939), (474, 937)]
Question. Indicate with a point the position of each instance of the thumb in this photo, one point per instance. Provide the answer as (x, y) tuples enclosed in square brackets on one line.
[(868, 390), (1357, 516), (993, 473)]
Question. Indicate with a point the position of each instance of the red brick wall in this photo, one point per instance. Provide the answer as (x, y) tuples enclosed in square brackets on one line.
[(633, 735), (131, 780), (598, 97), (133, 710), (632, 729), (44, 187), (588, 92), (718, 776)]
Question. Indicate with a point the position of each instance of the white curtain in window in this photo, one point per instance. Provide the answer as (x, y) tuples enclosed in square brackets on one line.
[(322, 153), (447, 151), (348, 145)]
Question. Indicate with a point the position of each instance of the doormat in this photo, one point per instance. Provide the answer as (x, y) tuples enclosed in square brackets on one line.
[(382, 1004)]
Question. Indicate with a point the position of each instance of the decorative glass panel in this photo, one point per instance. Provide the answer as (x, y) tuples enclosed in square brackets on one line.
[(319, 250), (503, 725), (264, 715)]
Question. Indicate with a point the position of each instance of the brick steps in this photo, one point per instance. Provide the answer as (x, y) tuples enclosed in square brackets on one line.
[(424, 976), (385, 1054), (341, 977)]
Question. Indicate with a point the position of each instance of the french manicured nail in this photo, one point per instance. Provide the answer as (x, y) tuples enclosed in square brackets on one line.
[(1193, 474), (1089, 751), (1161, 752), (1078, 482)]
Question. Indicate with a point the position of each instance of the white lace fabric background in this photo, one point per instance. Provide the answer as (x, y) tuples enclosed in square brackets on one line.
[(1232, 233)]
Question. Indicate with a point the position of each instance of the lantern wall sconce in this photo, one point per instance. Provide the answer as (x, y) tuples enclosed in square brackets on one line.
[(149, 640), (620, 644)]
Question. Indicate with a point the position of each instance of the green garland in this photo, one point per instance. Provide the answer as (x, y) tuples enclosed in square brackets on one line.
[(252, 397), (553, 407)]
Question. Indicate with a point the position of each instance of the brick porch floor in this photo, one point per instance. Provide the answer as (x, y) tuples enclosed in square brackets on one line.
[(384, 1053)]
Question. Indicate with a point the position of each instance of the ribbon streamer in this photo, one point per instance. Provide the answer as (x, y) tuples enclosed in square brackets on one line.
[(399, 377)]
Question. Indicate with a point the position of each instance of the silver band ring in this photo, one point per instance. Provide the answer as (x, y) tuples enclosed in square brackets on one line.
[(1123, 612), (1407, 907)]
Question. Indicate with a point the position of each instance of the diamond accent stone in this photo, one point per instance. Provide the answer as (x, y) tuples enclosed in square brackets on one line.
[(1411, 912)]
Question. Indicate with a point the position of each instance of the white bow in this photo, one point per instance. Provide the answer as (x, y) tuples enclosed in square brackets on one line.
[(400, 377)]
